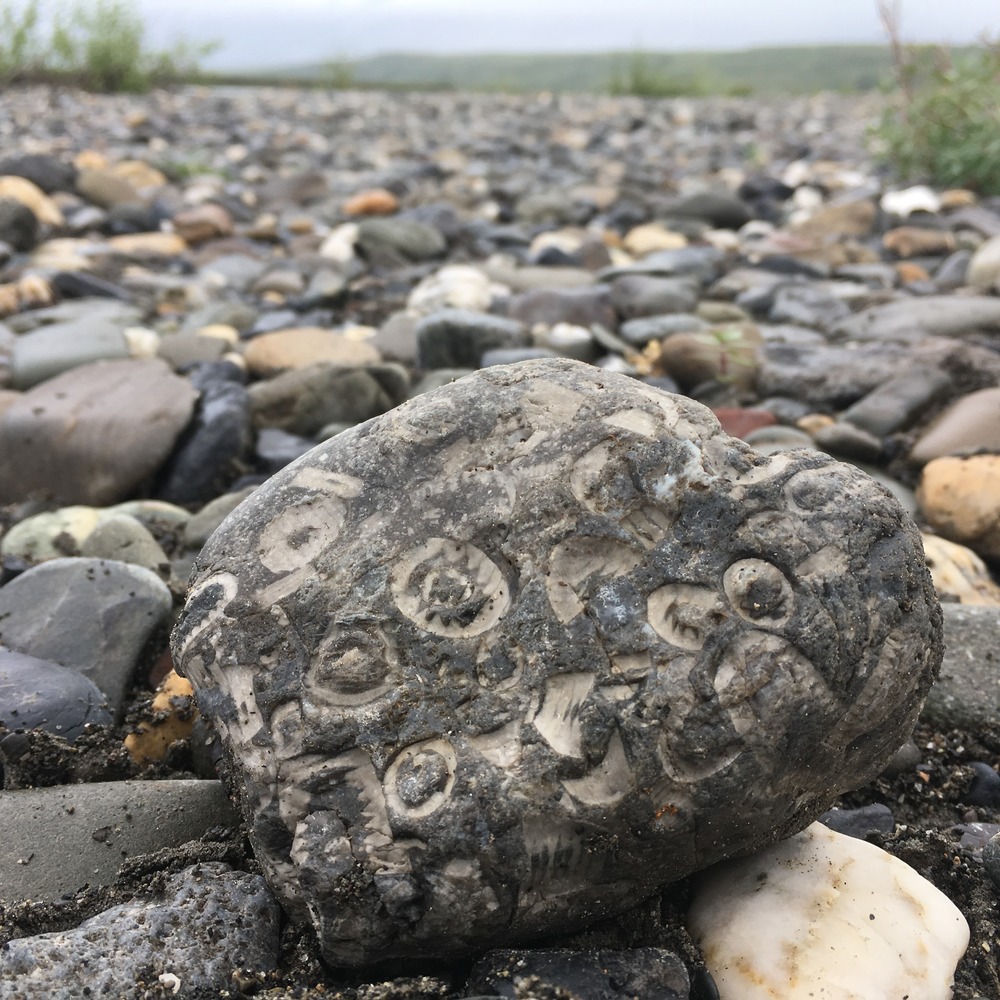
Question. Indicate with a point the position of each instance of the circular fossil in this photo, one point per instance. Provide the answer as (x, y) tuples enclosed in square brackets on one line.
[(532, 645)]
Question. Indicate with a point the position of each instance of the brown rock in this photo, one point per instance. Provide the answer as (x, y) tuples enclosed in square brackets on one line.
[(914, 241), (739, 421), (971, 424), (94, 434), (374, 201), (852, 218), (148, 244), (203, 222), (909, 272), (304, 346), (726, 353), (959, 575), (139, 174), (960, 497)]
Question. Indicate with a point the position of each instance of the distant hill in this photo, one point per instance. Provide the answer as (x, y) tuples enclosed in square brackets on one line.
[(784, 70)]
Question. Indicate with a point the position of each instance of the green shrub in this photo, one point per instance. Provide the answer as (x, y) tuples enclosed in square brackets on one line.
[(941, 123), (98, 44)]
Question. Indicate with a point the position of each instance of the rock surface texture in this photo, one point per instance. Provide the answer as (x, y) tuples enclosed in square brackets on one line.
[(511, 656)]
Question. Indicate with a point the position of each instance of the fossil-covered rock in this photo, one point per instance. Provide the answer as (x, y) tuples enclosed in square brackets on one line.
[(509, 657)]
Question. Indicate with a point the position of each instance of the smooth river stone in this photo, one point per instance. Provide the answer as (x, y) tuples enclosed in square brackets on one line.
[(509, 657)]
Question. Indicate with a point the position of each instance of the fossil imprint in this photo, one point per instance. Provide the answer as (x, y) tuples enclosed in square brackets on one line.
[(520, 651)]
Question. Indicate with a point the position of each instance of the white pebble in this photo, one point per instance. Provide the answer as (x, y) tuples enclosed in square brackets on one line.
[(821, 916)]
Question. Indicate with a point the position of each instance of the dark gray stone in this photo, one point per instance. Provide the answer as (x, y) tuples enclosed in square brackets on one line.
[(803, 303), (641, 295), (966, 694), (911, 319), (984, 789), (93, 615), (899, 401), (991, 859), (532, 645), (876, 818), (304, 400), (214, 449), (719, 208), (650, 973), (36, 694), (827, 376), (587, 306), (512, 355), (45, 172), (640, 332), (457, 338), (18, 225), (206, 924), (701, 262), (398, 241), (849, 442), (275, 449), (58, 839)]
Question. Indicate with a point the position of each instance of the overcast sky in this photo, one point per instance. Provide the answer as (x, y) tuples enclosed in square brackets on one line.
[(259, 33)]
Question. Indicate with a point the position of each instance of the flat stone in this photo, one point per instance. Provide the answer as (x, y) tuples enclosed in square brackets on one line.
[(641, 331), (899, 401), (93, 434), (58, 839), (549, 624), (105, 188), (36, 694), (92, 332), (303, 346), (204, 927), (971, 423), (93, 615), (915, 318)]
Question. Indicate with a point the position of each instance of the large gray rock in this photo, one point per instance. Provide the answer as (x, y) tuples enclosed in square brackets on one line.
[(533, 644), (94, 615), (207, 923), (94, 434), (907, 320), (58, 839)]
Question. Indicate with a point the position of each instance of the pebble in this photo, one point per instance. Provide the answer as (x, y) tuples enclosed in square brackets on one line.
[(206, 923), (36, 694), (970, 424), (824, 915), (960, 497), (93, 615), (569, 513), (271, 353), (959, 575), (457, 338)]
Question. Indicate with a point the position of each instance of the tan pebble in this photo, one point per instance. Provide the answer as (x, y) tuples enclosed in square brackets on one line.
[(220, 331), (909, 272), (10, 301), (303, 346), (151, 740), (264, 227), (33, 197), (913, 241), (34, 290), (148, 244), (651, 237), (301, 225), (90, 159), (959, 574), (960, 497), (374, 201), (139, 174), (957, 198), (813, 422), (202, 222)]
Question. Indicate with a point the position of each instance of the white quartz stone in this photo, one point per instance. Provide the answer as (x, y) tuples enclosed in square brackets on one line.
[(821, 916)]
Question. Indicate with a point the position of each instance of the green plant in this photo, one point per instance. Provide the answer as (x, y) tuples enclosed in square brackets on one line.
[(640, 78), (941, 123), (99, 44)]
